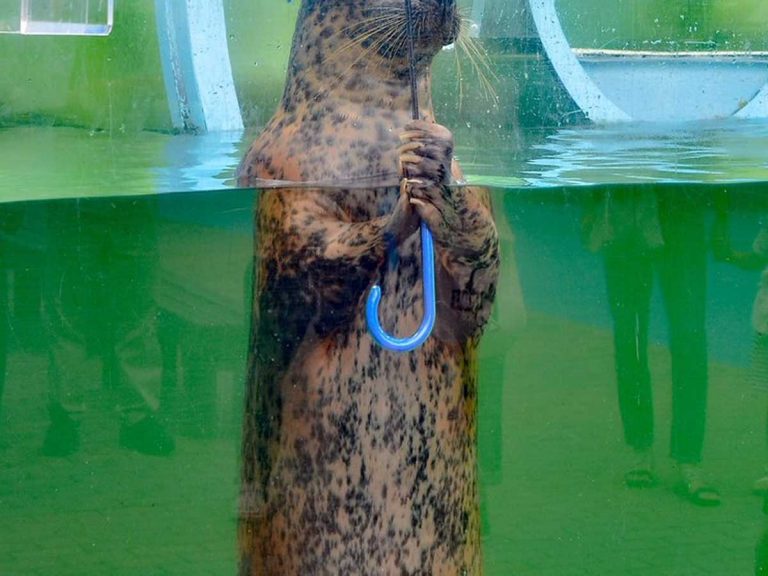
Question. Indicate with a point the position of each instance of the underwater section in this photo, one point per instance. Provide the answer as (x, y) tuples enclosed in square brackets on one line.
[(626, 313)]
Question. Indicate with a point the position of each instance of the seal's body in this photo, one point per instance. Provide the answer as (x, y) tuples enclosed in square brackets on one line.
[(358, 460)]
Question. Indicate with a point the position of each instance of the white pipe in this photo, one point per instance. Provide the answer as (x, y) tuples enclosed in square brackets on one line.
[(580, 86)]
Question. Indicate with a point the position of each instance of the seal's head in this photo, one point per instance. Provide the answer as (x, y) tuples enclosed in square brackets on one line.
[(435, 24), (337, 36)]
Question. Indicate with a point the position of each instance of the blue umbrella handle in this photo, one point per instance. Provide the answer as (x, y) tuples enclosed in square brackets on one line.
[(428, 322)]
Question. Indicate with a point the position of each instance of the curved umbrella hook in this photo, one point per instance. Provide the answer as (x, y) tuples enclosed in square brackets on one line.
[(428, 322), (427, 248)]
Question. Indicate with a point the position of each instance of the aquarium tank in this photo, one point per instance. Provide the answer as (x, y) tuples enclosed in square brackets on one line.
[(622, 392)]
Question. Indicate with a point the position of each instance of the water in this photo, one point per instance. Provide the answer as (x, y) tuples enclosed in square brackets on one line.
[(558, 465), (130, 286), (727, 151)]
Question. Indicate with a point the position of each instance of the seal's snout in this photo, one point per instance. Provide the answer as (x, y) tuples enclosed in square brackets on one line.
[(439, 21), (449, 17)]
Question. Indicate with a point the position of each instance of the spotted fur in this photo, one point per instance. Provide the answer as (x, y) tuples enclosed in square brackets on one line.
[(357, 460)]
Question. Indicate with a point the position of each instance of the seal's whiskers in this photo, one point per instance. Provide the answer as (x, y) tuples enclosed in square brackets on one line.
[(393, 34), (359, 32), (478, 60)]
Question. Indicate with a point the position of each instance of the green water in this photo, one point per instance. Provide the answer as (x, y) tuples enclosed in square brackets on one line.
[(129, 299)]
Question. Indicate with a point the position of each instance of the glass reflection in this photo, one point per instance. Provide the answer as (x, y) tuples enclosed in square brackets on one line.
[(123, 343), (637, 345), (638, 234), (98, 307), (603, 301)]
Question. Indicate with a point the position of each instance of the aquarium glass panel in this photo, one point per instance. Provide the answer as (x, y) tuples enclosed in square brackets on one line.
[(184, 350)]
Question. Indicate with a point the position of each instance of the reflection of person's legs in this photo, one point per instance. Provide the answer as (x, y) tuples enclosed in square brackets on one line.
[(3, 338), (137, 374), (761, 550), (98, 306), (688, 350), (629, 280), (134, 354), (133, 328), (683, 270), (67, 295), (683, 281)]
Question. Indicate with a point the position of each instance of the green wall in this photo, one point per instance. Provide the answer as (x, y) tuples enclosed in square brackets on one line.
[(260, 34), (98, 82), (116, 83), (666, 24)]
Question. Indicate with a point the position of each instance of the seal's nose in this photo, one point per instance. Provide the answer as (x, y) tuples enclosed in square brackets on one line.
[(447, 7), (449, 20)]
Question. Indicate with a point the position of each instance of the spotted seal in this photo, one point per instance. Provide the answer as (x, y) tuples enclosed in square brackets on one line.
[(358, 460)]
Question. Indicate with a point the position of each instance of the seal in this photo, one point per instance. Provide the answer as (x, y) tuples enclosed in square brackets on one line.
[(358, 460)]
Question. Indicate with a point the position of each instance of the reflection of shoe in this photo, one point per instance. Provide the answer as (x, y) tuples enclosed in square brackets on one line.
[(694, 488), (703, 495), (639, 478), (147, 436), (760, 486), (62, 437), (641, 474)]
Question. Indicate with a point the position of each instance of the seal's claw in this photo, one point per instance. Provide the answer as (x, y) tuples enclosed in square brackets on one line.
[(409, 147), (426, 153), (409, 135), (413, 158), (412, 183)]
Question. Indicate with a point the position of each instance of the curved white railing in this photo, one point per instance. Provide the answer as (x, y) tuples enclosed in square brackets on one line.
[(196, 66), (580, 86), (598, 106)]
